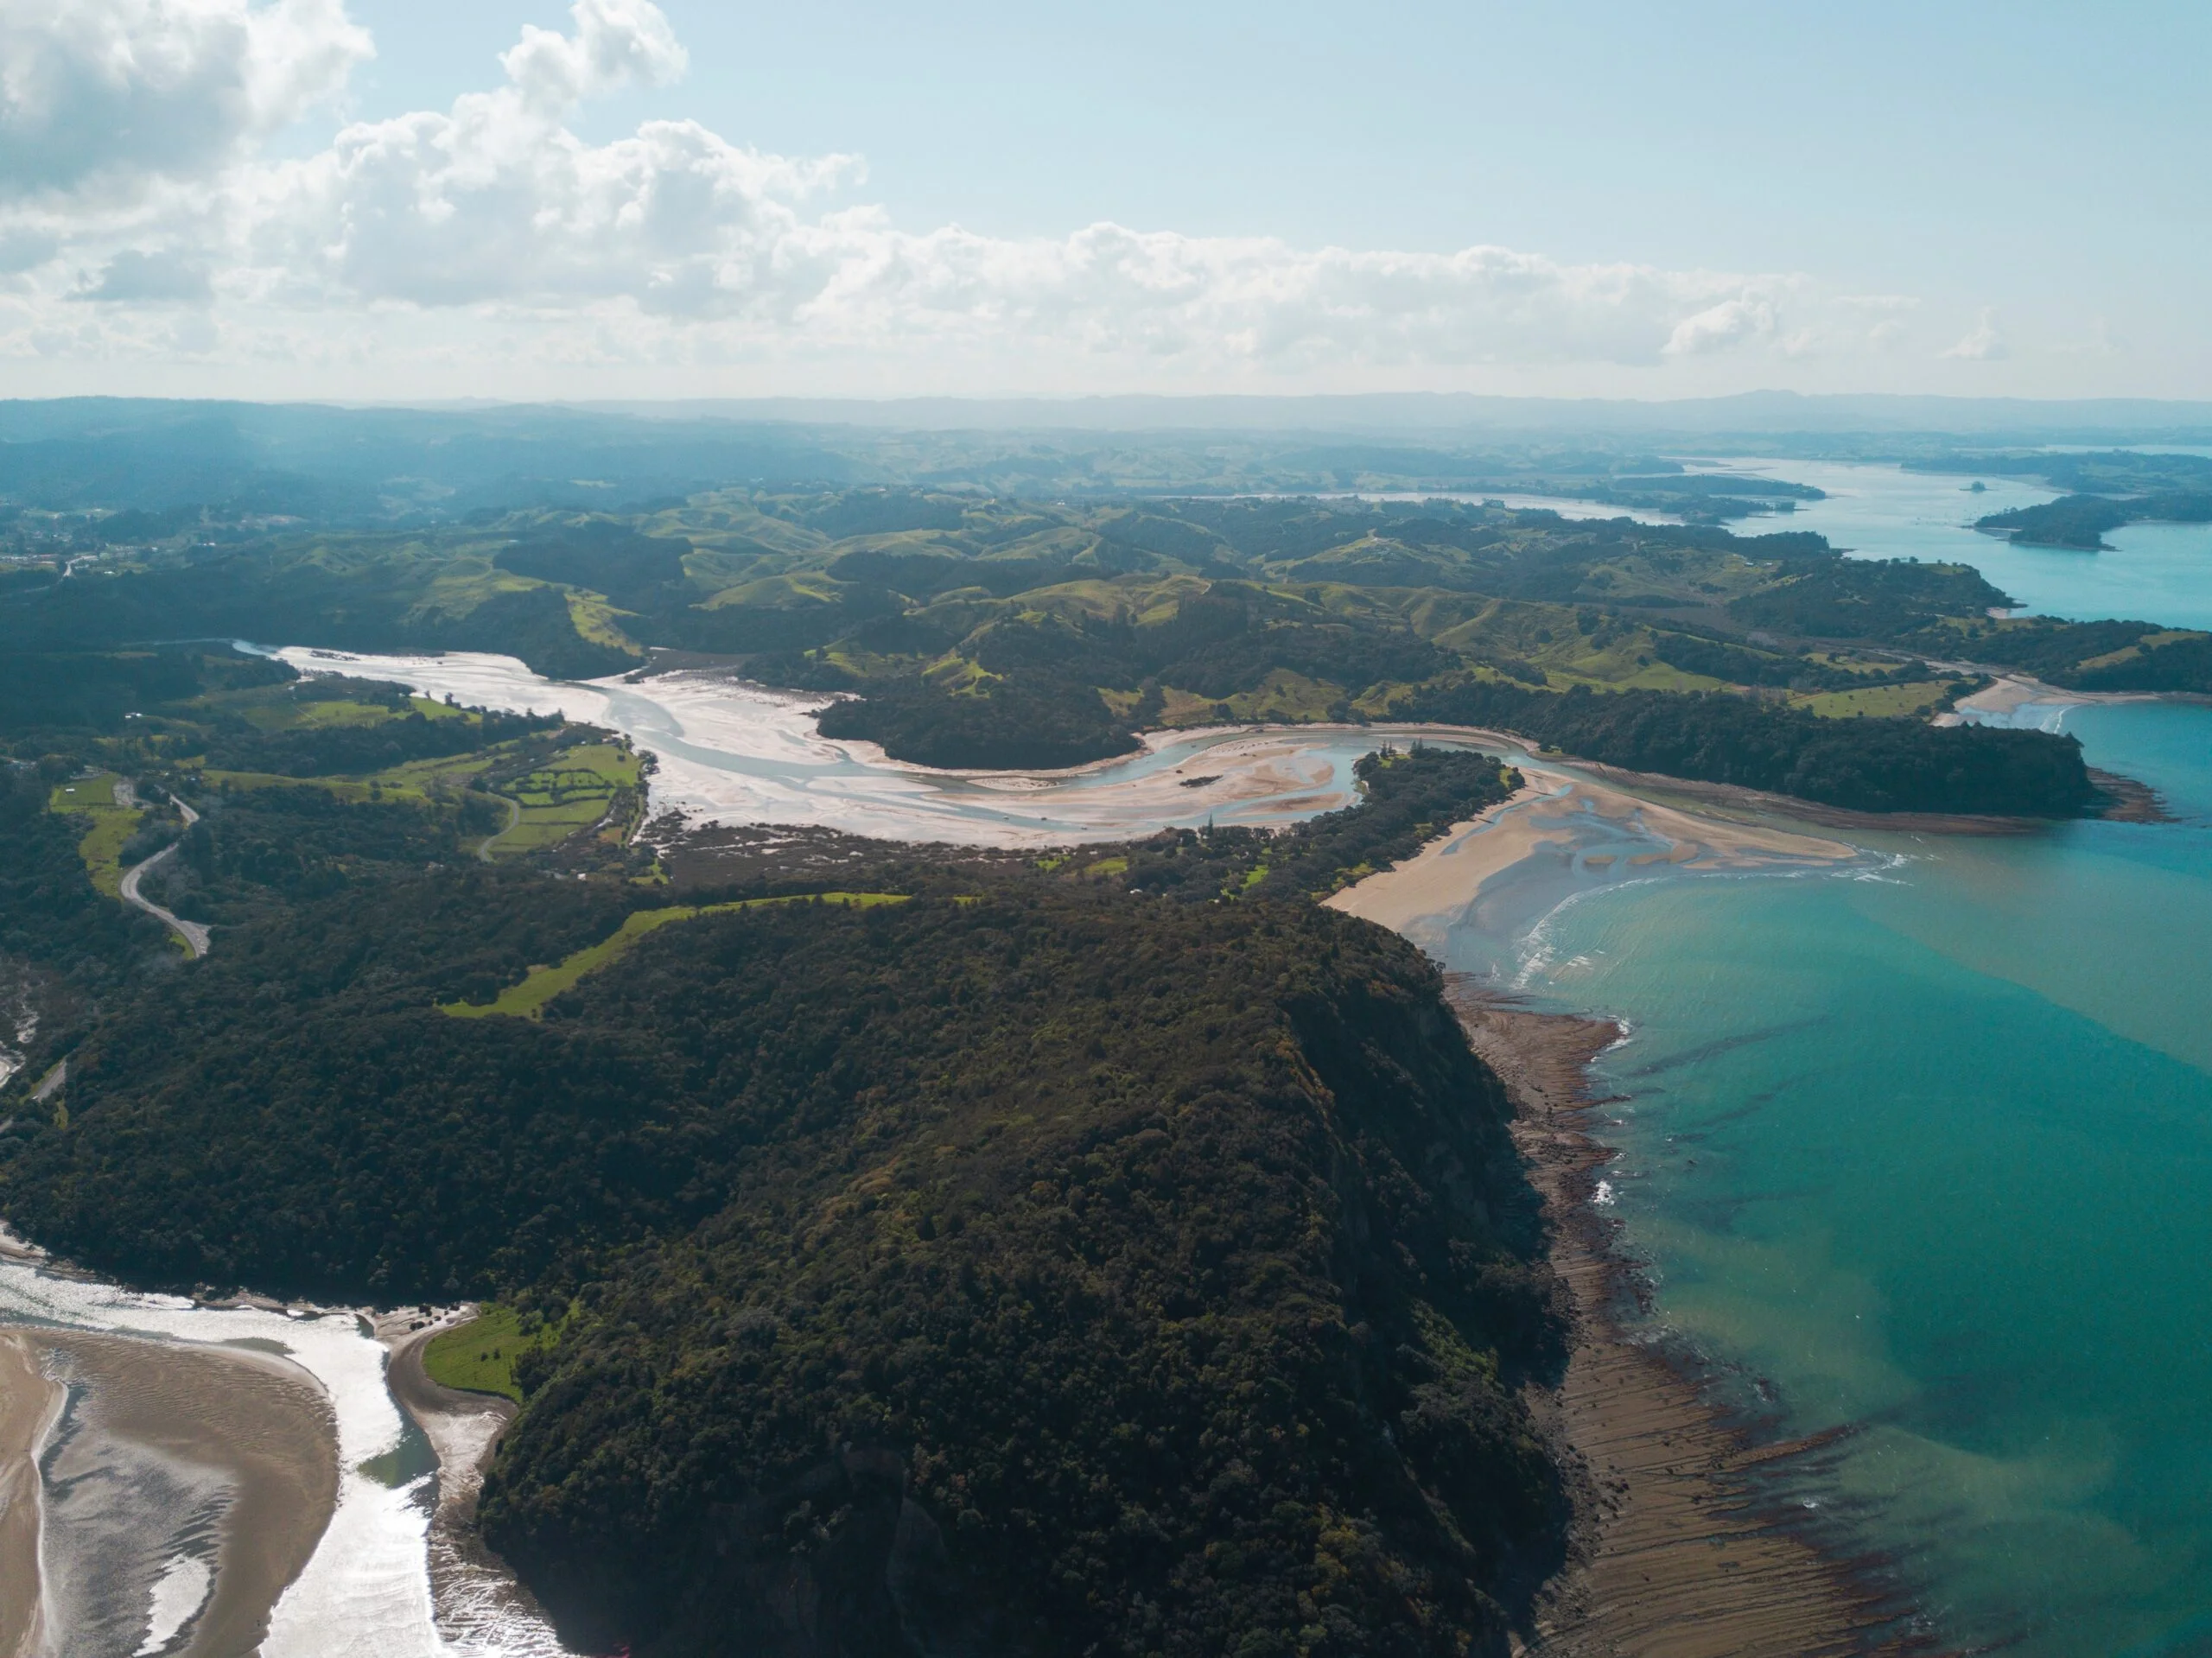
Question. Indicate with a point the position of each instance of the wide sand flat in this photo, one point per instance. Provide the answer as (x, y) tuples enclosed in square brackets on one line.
[(259, 1420), (28, 1404), (1552, 810), (259, 1423)]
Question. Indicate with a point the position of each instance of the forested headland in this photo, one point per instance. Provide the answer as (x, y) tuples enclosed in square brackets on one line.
[(1873, 765), (1034, 1263), (1113, 1251)]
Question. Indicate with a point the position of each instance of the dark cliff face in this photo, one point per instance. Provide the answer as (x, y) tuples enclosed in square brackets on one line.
[(1143, 1278)]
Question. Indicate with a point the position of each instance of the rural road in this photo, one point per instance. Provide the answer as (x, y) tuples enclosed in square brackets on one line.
[(194, 934), (514, 816)]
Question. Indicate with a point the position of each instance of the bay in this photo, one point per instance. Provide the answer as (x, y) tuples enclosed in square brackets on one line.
[(1919, 1147), (2152, 572)]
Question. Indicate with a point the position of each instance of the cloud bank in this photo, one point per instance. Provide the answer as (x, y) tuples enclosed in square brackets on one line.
[(143, 220)]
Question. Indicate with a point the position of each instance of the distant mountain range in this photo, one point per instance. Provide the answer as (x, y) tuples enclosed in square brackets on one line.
[(1459, 413)]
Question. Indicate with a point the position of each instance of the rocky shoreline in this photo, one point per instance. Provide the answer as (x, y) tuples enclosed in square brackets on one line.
[(1678, 1551)]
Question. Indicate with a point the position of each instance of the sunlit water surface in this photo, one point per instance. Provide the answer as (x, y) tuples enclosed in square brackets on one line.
[(1924, 1148), (2152, 572)]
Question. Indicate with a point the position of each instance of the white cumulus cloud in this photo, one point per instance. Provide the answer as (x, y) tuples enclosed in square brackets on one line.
[(112, 94), (132, 172), (1986, 344)]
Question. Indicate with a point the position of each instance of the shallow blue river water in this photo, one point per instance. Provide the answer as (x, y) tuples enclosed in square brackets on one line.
[(1924, 1147)]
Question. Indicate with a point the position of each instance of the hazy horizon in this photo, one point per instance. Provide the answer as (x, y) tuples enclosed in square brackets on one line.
[(1435, 415)]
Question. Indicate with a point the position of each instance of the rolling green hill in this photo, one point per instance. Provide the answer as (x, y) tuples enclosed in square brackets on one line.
[(972, 630)]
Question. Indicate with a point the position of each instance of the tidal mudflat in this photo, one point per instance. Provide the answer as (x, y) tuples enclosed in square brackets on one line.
[(192, 1479), (728, 752)]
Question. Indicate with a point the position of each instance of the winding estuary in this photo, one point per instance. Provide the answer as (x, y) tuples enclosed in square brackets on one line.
[(1913, 1144)]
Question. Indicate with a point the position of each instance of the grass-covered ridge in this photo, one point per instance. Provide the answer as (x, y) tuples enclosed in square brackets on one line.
[(527, 999)]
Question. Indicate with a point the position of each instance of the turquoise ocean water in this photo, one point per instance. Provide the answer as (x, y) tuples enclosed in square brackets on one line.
[(1924, 1147)]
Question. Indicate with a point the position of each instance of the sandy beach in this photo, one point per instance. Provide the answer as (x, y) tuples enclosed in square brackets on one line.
[(478, 1605), (2011, 692), (28, 1404), (1549, 811)]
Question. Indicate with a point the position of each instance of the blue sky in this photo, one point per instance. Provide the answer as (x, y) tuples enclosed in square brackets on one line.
[(1962, 198)]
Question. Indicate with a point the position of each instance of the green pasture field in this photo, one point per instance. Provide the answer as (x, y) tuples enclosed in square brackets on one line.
[(1876, 702), (108, 826), (480, 1356), (570, 794)]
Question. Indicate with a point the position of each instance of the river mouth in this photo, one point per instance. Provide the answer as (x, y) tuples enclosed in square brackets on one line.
[(190, 1479)]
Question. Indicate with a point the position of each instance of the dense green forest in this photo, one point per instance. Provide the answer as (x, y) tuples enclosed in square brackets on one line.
[(1034, 1263), (2081, 520), (1875, 766)]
